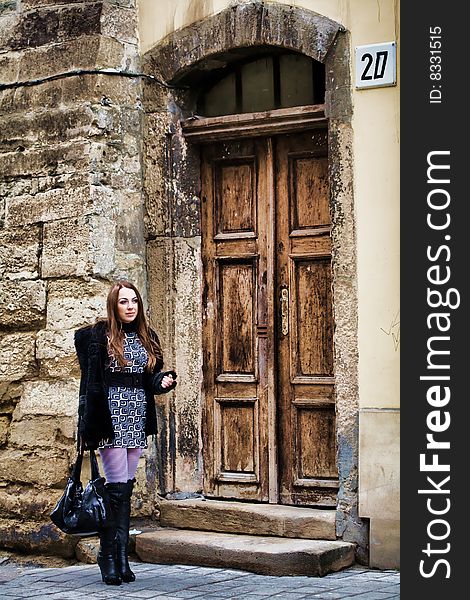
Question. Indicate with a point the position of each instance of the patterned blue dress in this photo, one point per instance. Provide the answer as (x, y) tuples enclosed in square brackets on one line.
[(128, 404)]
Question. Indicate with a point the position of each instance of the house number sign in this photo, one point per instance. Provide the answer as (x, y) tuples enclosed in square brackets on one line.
[(376, 65)]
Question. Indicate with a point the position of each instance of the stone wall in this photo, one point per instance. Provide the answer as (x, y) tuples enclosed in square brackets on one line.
[(71, 220)]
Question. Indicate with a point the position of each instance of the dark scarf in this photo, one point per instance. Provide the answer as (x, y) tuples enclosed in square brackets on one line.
[(129, 327)]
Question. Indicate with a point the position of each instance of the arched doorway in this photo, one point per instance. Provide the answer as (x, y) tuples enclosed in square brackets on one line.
[(185, 58), (269, 401)]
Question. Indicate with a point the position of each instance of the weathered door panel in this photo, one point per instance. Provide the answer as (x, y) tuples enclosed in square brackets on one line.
[(306, 405), (235, 327)]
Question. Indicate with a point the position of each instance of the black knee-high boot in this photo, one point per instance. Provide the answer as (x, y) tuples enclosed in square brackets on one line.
[(107, 556), (120, 494)]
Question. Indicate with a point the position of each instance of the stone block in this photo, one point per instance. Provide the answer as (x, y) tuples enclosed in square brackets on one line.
[(45, 161), (122, 91), (45, 432), (7, 104), (155, 97), (157, 222), (22, 303), (159, 262), (107, 122), (46, 95), (132, 267), (70, 93), (51, 26), (19, 251), (30, 502), (53, 398), (62, 159), (30, 4), (46, 468), (259, 554), (59, 368), (4, 428), (51, 344), (142, 501), (174, 283), (9, 68), (9, 21), (249, 518), (10, 394), (37, 538), (67, 196), (17, 132), (131, 58), (130, 182), (86, 52), (8, 6), (45, 127), (73, 303), (132, 123), (55, 352), (48, 206), (188, 358), (102, 232), (119, 22), (104, 160), (66, 248), (130, 231), (17, 356), (28, 184), (180, 200), (104, 199), (86, 550)]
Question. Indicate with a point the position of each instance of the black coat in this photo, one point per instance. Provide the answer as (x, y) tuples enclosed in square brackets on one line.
[(94, 423)]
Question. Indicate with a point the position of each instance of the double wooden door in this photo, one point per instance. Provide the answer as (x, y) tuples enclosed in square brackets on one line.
[(269, 415)]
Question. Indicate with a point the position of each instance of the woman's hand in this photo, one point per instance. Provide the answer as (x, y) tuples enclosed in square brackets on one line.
[(167, 381), (163, 382)]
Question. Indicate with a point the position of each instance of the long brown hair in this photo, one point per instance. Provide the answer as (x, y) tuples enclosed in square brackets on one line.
[(116, 333)]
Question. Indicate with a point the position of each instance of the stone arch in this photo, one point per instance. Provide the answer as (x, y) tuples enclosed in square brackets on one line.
[(243, 26), (171, 181)]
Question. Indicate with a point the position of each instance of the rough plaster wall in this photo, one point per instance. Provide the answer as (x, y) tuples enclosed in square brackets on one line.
[(71, 221), (174, 271), (250, 25), (349, 526)]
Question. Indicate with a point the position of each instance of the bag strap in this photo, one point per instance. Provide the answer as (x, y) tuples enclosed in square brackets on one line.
[(77, 468), (81, 413), (95, 472)]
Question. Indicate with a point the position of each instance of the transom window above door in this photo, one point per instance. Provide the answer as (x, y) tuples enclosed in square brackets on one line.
[(280, 80)]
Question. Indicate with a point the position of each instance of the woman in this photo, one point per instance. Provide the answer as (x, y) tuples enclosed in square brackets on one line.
[(120, 360)]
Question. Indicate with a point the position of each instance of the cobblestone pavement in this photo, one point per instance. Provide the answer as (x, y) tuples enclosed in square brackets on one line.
[(167, 582)]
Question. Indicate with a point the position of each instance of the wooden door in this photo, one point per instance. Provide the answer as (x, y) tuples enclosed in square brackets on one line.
[(305, 391), (269, 405), (238, 311)]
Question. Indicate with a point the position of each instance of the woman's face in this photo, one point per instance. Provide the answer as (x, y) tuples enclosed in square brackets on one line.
[(127, 305)]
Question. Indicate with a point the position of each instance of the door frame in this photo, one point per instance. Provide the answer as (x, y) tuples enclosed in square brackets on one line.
[(249, 125), (267, 123)]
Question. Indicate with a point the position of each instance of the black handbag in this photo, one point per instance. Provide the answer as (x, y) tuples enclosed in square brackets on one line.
[(83, 511)]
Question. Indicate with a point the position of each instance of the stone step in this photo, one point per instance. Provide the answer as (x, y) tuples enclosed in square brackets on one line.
[(249, 518), (258, 554)]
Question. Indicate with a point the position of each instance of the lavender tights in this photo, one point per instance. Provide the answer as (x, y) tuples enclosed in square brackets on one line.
[(120, 464)]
